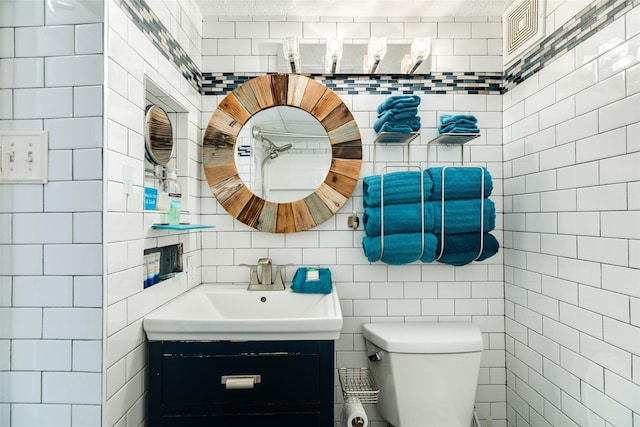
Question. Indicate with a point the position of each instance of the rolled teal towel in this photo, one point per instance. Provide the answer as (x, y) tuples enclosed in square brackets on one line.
[(461, 249), (302, 284), (400, 248), (460, 183), (399, 101), (399, 187), (462, 216), (400, 218), (448, 118)]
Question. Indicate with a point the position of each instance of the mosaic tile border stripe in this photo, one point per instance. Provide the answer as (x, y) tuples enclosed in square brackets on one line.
[(143, 17), (586, 23), (433, 83)]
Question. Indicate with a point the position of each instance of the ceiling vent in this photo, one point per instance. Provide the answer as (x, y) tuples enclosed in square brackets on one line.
[(522, 27)]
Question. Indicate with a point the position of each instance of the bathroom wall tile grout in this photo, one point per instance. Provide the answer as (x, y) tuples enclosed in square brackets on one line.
[(569, 261)]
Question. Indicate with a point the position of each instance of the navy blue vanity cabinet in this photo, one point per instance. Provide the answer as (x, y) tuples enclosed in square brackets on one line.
[(187, 389)]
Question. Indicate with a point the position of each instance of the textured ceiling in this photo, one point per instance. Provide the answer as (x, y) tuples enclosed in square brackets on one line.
[(353, 8)]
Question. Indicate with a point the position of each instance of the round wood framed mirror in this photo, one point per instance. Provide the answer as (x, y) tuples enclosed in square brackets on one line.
[(219, 146)]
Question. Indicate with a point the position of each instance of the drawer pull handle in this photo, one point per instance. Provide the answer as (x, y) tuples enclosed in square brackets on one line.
[(240, 381)]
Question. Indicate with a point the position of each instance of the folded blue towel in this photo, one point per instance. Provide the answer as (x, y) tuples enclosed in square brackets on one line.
[(399, 187), (448, 118), (462, 123), (461, 249), (399, 113), (400, 248), (462, 216), (396, 127), (399, 101), (302, 284), (400, 218), (461, 183), (404, 118), (459, 129), (458, 124)]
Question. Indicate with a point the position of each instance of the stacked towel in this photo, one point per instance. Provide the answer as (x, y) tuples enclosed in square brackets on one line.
[(399, 187), (463, 123), (399, 113)]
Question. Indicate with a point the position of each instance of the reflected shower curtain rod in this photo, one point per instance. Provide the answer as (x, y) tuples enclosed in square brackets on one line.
[(258, 132)]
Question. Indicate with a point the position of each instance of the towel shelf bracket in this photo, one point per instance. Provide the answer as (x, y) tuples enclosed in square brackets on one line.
[(452, 139)]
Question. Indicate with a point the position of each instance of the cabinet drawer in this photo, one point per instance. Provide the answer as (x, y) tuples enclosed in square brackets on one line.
[(275, 420), (285, 378)]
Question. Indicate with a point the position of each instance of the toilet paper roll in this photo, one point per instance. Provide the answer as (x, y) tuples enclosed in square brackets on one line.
[(353, 415)]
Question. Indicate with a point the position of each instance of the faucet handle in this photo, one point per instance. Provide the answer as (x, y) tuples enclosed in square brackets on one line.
[(279, 282), (253, 278)]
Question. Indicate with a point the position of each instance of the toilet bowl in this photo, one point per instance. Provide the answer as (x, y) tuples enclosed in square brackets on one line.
[(427, 372)]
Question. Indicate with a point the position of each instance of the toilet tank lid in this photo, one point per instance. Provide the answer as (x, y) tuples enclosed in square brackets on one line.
[(425, 337)]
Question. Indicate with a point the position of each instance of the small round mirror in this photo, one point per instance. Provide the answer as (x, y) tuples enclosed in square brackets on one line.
[(158, 136)]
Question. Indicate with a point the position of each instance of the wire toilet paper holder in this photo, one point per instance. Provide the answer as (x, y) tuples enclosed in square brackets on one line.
[(358, 385)]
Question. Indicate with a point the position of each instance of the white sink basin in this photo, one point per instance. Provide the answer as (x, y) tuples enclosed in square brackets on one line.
[(214, 312)]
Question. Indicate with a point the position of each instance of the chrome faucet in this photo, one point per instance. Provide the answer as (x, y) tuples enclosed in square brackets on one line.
[(264, 265), (261, 278)]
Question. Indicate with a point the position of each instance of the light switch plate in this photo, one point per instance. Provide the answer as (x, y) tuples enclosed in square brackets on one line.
[(24, 157)]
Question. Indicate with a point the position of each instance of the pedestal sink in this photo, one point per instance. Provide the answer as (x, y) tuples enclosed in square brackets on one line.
[(224, 312)]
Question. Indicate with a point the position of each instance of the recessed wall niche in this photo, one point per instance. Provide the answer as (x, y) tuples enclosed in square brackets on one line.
[(179, 118)]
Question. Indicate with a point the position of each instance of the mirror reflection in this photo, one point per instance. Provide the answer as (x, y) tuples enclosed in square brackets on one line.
[(158, 136), (283, 154)]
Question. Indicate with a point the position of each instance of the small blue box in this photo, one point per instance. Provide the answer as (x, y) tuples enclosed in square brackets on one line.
[(150, 198)]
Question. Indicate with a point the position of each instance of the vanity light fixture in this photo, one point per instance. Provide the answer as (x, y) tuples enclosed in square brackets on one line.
[(291, 50), (420, 49), (333, 55), (376, 50)]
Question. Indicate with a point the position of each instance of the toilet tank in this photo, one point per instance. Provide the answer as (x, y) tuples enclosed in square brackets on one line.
[(427, 372)]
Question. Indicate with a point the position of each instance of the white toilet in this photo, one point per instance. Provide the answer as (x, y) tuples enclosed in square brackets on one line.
[(427, 372)]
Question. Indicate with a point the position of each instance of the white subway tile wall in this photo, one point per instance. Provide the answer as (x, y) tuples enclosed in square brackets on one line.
[(572, 343), (127, 228), (51, 311), (251, 45)]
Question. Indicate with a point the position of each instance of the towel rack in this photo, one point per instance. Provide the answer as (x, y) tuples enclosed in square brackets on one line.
[(458, 139), (382, 206), (390, 138), (442, 211), (453, 139), (398, 138), (394, 138)]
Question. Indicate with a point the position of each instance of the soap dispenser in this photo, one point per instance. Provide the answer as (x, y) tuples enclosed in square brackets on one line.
[(170, 197)]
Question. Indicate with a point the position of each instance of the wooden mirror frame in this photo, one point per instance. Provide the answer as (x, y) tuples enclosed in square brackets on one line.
[(219, 145)]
